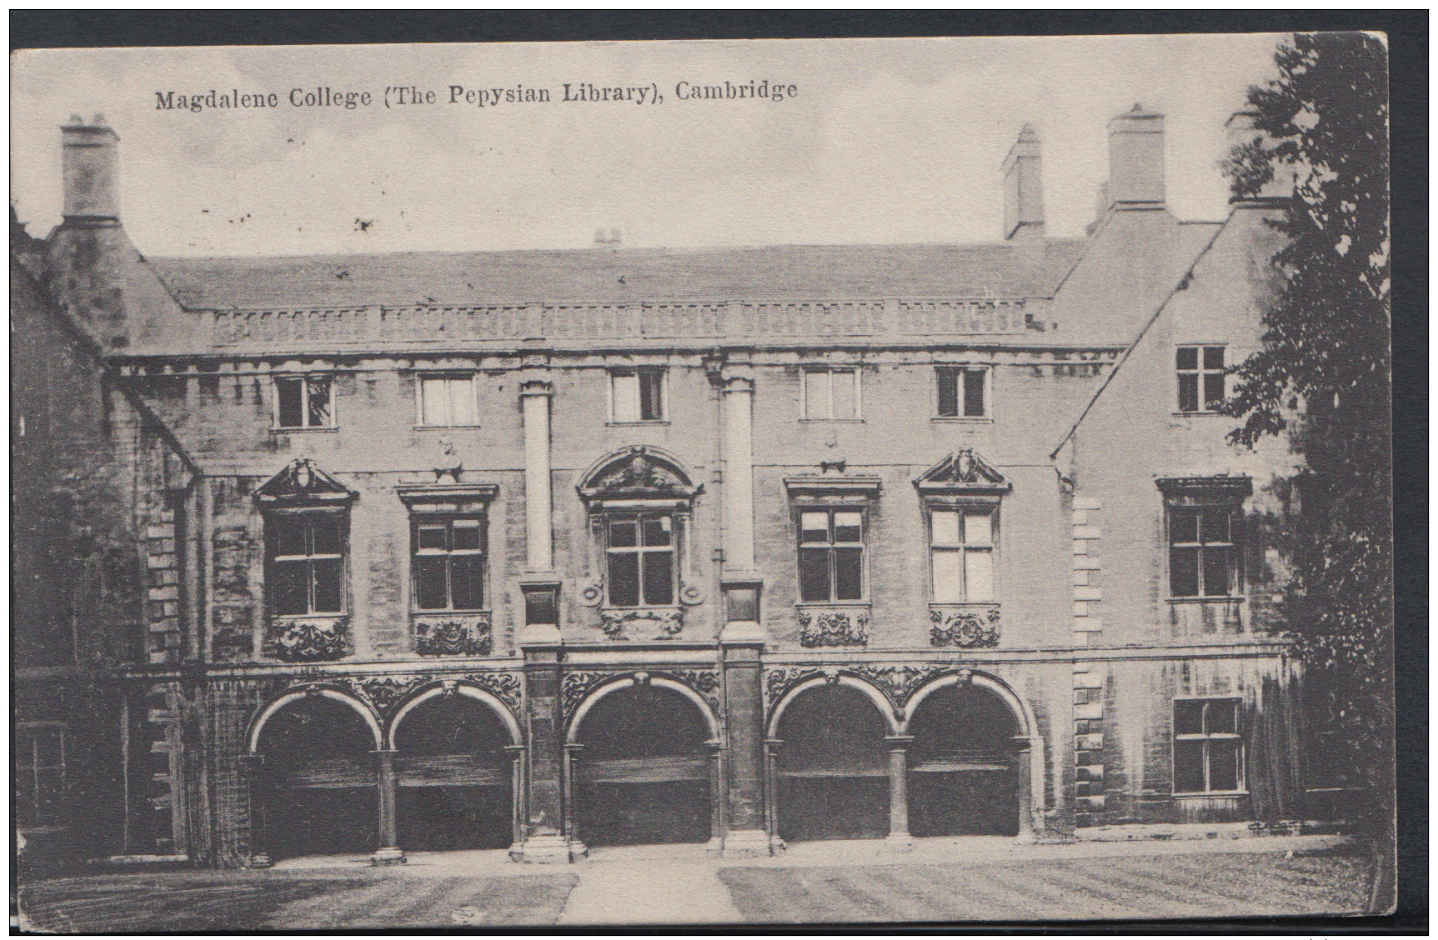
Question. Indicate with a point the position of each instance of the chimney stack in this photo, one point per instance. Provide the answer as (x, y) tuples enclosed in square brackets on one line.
[(1023, 188), (89, 163), (1241, 130), (1135, 158)]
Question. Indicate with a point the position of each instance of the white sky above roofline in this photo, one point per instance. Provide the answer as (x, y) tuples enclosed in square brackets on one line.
[(888, 141)]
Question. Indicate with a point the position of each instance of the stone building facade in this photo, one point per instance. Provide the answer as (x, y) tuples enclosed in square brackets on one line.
[(546, 550)]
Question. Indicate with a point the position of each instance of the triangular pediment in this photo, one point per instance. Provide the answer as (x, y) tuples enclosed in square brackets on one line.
[(963, 471), (302, 482), (638, 472)]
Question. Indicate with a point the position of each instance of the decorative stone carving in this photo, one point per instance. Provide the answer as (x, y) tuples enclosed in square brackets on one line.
[(591, 592), (453, 635), (506, 686), (638, 473), (703, 681), (778, 681), (691, 594), (963, 470), (575, 686), (833, 627), (964, 627), (301, 481), (668, 621), (384, 692), (898, 682), (307, 639)]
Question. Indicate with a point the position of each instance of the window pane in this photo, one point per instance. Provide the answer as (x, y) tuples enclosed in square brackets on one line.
[(1215, 572), (325, 535), (978, 528), (319, 402), (816, 395), (429, 591), (657, 531), (1188, 357), (974, 393), (814, 527), (1188, 766), (466, 582), (979, 575), (1223, 759), (651, 390), (291, 402), (1213, 393), (848, 527), (626, 396), (434, 402), (948, 393), (1214, 524), (1213, 357), (287, 536), (327, 586), (624, 579), (1188, 717), (658, 578), (846, 403), (945, 527), (47, 751), (622, 533), (430, 537), (848, 574), (1188, 392), (462, 403), (1183, 572), (466, 535), (290, 587), (814, 574), (948, 585), (1182, 525), (1222, 717)]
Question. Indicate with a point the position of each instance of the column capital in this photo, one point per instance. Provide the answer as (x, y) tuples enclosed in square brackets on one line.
[(731, 382), (384, 752), (516, 750), (1020, 743), (899, 742), (533, 383)]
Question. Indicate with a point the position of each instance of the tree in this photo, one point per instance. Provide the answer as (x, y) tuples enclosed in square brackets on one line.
[(1323, 375)]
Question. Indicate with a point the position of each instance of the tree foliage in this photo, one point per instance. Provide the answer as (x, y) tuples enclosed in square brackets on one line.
[(1323, 376)]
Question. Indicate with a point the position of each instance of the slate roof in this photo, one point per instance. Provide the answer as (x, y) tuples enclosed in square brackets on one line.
[(604, 275)]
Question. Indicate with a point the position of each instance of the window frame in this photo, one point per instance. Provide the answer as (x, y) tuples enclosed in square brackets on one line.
[(450, 377), (963, 506), (448, 519), (956, 370), (639, 516), (48, 818), (1207, 737), (1235, 546), (830, 507), (1201, 372), (271, 558), (825, 369), (305, 379), (639, 373)]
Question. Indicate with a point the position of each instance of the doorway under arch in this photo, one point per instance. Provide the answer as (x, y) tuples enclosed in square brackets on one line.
[(319, 786), (832, 767), (642, 771), (963, 766), (455, 787)]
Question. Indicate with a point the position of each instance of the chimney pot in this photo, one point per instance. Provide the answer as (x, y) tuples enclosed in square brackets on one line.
[(1023, 187), (89, 161), (1135, 158)]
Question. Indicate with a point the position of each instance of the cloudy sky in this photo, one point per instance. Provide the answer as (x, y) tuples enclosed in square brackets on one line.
[(886, 141)]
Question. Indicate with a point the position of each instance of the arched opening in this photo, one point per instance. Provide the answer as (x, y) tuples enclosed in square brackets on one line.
[(963, 767), (643, 774), (454, 779), (832, 768), (319, 780)]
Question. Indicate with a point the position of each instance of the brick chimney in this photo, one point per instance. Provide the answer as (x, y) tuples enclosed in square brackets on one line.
[(1241, 130), (1135, 159), (1023, 188), (89, 166)]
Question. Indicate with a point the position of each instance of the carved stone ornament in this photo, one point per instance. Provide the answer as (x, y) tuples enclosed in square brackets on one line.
[(384, 692), (303, 482), (453, 635), (964, 628), (591, 592), (668, 621), (833, 628), (307, 639), (507, 686), (963, 470), (638, 472)]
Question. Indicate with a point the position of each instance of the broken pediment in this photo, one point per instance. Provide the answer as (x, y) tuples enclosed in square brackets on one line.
[(301, 482), (963, 471), (638, 472)]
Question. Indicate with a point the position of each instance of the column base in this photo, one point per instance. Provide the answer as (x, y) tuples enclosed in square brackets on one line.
[(261, 860), (777, 846), (390, 855), (899, 842), (714, 847), (747, 843), (547, 850), (1028, 837)]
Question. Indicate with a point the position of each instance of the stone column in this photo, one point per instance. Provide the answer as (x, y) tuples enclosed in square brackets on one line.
[(1023, 769), (771, 791), (899, 839), (738, 470), (252, 766), (716, 797), (544, 835), (517, 789), (534, 393), (577, 848), (746, 834), (389, 851)]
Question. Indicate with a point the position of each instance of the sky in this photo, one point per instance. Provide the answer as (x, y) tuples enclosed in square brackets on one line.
[(886, 141)]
